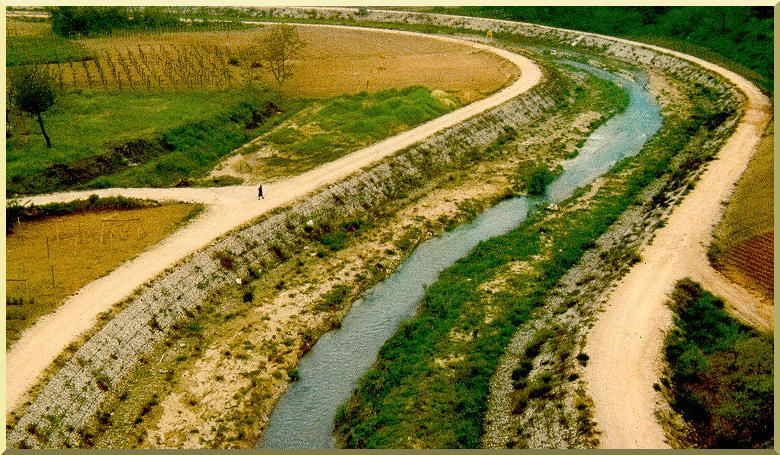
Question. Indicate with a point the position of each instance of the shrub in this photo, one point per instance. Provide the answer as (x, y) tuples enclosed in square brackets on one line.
[(334, 240), (538, 179), (721, 372), (225, 258), (522, 371)]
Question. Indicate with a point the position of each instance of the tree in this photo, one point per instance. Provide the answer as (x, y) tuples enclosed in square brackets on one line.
[(280, 44), (32, 91)]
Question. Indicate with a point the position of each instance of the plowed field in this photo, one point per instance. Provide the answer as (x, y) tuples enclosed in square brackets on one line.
[(751, 263)]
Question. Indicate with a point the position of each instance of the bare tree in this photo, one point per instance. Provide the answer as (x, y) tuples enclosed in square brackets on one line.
[(32, 91), (279, 46)]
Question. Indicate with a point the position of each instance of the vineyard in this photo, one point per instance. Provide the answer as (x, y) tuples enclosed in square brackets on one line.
[(160, 67), (753, 261), (49, 259)]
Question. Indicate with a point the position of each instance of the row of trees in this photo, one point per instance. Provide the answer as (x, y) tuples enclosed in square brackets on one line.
[(96, 20), (742, 34)]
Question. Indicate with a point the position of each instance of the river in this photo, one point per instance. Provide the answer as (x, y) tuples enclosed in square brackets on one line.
[(303, 417)]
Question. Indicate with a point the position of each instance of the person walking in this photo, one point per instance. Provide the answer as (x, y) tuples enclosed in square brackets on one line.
[(260, 192)]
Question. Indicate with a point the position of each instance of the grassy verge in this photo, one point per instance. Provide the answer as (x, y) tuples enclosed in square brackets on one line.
[(458, 319), (720, 372), (107, 139), (56, 249), (333, 127), (705, 53)]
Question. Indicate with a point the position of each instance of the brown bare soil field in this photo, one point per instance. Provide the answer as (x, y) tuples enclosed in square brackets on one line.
[(47, 260), (335, 61), (752, 264)]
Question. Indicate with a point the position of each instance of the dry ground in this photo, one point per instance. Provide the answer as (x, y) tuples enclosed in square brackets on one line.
[(335, 61), (49, 259)]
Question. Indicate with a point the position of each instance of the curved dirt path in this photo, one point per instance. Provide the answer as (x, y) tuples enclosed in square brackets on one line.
[(227, 209), (625, 345)]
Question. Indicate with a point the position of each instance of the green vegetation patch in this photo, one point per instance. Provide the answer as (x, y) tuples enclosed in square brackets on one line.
[(721, 372), (342, 124), (408, 399), (46, 48), (132, 139)]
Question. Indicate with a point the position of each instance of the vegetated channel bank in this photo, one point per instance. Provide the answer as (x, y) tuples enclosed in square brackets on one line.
[(52, 431), (304, 416)]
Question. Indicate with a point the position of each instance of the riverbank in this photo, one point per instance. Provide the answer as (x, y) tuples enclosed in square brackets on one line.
[(442, 361), (309, 292)]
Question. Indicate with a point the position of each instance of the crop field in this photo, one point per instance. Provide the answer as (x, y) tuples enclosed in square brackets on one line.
[(334, 61), (49, 259), (743, 247), (752, 263)]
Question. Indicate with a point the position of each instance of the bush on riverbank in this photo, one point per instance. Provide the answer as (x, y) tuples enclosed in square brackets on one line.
[(721, 372)]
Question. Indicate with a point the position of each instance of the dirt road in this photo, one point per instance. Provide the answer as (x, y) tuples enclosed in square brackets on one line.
[(227, 208), (625, 346)]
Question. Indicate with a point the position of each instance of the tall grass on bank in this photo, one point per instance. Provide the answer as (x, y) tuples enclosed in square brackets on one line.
[(408, 399), (107, 139), (721, 373), (342, 124)]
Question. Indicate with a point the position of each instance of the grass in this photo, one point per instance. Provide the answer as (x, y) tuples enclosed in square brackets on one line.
[(721, 372), (110, 139), (33, 42), (57, 255), (449, 404), (336, 126), (761, 80)]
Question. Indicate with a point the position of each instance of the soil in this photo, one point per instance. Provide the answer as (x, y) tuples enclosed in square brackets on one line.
[(226, 209), (334, 61), (625, 346), (47, 260)]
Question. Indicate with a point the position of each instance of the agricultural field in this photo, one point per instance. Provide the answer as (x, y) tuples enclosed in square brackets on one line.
[(50, 258), (151, 109), (743, 244)]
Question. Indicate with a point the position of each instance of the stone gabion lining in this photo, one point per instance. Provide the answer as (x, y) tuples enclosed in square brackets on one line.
[(67, 402), (74, 394)]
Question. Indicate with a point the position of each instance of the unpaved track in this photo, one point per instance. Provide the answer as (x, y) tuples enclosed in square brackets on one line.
[(625, 346), (227, 208)]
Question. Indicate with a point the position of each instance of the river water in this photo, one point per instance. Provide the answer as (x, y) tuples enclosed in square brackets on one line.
[(303, 418)]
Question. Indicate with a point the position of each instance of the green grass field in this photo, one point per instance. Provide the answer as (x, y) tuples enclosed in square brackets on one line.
[(106, 139), (333, 127), (157, 139)]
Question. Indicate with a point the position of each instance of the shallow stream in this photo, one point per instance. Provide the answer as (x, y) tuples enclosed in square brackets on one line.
[(303, 418)]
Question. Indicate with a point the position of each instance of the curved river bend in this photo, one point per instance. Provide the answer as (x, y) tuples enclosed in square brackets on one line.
[(303, 418)]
